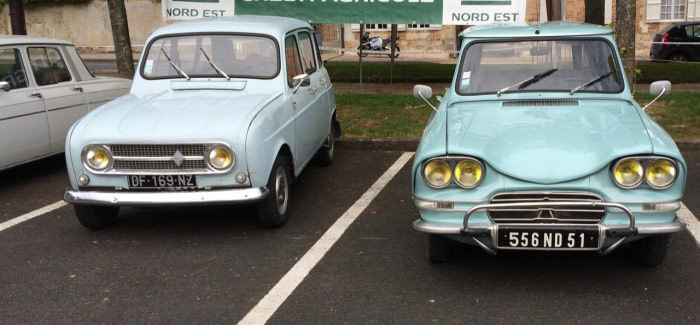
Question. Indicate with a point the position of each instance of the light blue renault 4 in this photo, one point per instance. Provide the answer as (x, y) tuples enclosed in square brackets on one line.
[(221, 111), (539, 145)]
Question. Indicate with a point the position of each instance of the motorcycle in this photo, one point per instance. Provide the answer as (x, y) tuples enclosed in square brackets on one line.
[(376, 43)]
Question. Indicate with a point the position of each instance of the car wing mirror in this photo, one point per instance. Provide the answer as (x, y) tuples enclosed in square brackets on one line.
[(4, 85), (424, 92), (658, 88), (301, 80)]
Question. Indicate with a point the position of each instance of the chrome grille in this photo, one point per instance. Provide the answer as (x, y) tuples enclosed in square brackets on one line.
[(551, 214), (156, 150), (159, 159), (540, 103)]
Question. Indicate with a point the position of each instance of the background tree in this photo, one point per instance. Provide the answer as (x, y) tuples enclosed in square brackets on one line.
[(120, 34), (19, 26), (625, 24)]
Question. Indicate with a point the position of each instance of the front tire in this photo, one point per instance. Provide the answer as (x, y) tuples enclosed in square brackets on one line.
[(273, 210), (651, 251), (364, 54), (396, 53), (96, 217), (438, 249)]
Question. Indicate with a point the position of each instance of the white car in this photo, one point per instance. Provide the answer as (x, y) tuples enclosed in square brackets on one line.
[(44, 88)]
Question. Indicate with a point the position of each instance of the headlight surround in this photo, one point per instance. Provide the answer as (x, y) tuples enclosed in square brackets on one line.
[(468, 173), (220, 157), (437, 173), (97, 157), (661, 173), (628, 173)]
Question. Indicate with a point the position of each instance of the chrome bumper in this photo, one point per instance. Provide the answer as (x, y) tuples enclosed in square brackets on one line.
[(476, 231), (143, 199)]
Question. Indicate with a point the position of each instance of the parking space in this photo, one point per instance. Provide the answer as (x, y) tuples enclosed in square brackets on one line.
[(213, 265)]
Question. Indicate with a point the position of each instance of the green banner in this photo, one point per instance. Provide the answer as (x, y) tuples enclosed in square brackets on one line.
[(348, 11)]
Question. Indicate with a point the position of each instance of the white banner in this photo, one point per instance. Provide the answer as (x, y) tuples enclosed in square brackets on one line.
[(193, 9), (479, 12)]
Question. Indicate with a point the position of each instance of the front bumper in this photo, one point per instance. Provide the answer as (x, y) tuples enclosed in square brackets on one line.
[(143, 199), (619, 232)]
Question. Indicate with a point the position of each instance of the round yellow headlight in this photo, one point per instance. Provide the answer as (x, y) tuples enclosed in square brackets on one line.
[(468, 173), (628, 173), (97, 157), (661, 173), (220, 157), (437, 173)]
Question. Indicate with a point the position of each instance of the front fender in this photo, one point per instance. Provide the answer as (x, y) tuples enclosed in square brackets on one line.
[(271, 129)]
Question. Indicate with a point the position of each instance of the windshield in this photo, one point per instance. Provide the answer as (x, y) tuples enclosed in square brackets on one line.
[(236, 55), (551, 65)]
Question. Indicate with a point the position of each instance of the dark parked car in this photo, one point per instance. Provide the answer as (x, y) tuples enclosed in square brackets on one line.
[(687, 32)]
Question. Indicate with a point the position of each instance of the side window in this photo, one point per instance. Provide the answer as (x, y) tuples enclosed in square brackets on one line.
[(696, 31), (291, 53), (48, 66), (12, 69), (307, 52), (319, 38)]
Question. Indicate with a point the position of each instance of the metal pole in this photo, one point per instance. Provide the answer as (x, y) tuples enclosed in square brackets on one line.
[(342, 38), (394, 32), (362, 32), (19, 26)]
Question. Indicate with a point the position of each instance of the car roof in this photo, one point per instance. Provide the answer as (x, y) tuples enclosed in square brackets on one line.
[(557, 28), (270, 25), (23, 39)]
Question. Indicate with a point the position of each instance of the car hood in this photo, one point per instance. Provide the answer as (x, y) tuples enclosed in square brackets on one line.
[(547, 144), (191, 115)]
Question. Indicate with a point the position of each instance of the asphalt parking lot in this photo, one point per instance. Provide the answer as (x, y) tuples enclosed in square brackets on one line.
[(215, 264)]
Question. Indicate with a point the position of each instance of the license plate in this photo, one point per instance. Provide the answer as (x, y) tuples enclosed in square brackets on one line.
[(162, 181), (549, 238)]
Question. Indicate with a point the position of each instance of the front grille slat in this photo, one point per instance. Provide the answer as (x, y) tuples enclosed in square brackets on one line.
[(159, 158), (553, 215)]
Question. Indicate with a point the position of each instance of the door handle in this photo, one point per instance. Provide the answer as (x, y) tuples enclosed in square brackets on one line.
[(37, 95), (80, 89)]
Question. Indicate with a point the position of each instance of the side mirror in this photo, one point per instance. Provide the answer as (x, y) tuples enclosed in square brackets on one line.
[(301, 80), (4, 85), (657, 87), (424, 92)]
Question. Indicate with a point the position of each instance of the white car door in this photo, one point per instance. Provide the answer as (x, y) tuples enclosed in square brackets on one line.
[(302, 101), (64, 98), (24, 128)]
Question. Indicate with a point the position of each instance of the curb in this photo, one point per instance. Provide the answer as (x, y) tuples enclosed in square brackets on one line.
[(409, 144)]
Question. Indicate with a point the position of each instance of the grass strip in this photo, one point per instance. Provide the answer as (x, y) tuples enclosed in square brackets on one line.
[(403, 116)]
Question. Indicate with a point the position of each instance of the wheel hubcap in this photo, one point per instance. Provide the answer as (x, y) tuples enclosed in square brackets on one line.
[(281, 189)]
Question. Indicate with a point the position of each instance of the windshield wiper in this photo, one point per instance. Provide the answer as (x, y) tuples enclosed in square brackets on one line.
[(528, 81), (214, 65), (174, 65), (590, 83)]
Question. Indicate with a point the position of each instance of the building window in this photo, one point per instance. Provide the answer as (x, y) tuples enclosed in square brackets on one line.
[(669, 10), (672, 9), (423, 27)]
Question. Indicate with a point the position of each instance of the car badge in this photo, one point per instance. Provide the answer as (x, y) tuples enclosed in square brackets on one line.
[(178, 158), (546, 213)]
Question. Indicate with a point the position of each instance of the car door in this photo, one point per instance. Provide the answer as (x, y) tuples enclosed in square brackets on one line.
[(301, 99), (24, 131), (63, 97), (693, 32), (313, 119)]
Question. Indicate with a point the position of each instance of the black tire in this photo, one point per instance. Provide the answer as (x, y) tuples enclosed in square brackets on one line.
[(396, 53), (327, 151), (438, 249), (273, 211), (678, 56), (96, 217), (651, 251), (364, 54)]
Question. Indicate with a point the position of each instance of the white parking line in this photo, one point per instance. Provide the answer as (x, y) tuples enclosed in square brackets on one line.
[(31, 215), (691, 221), (279, 293)]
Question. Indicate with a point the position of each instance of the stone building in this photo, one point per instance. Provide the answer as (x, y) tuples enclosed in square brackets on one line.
[(87, 24)]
